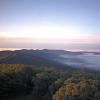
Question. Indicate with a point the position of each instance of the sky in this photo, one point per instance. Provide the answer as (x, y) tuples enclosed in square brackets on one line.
[(50, 24)]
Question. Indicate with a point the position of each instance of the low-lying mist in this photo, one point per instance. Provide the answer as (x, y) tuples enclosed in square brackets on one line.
[(84, 60)]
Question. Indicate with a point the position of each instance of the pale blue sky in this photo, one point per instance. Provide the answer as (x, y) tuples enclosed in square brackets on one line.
[(59, 21)]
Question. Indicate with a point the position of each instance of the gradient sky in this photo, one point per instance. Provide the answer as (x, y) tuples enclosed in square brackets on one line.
[(72, 24)]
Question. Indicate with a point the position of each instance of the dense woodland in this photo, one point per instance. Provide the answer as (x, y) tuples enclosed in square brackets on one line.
[(48, 82)]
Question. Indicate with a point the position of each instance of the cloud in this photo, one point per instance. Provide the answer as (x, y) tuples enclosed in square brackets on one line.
[(29, 42), (43, 31)]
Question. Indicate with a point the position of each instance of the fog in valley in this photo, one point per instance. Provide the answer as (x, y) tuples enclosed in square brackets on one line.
[(83, 60)]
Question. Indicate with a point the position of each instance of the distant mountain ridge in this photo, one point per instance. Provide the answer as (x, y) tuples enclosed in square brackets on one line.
[(33, 57), (44, 57)]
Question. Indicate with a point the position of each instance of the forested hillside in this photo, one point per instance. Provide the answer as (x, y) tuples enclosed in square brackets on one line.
[(23, 74), (48, 83)]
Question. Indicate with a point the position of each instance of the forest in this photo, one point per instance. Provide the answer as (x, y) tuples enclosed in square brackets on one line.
[(48, 83), (45, 82)]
